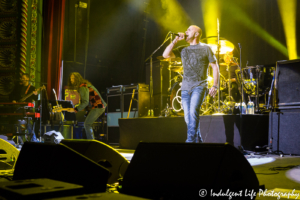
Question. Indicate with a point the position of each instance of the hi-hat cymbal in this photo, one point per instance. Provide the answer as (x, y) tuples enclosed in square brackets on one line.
[(225, 45), (225, 64), (161, 58)]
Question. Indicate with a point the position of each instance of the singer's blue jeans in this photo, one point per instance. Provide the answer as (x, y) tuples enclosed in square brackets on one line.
[(191, 103), (90, 119)]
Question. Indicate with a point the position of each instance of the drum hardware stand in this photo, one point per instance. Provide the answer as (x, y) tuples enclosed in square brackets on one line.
[(257, 90), (218, 52), (229, 98), (270, 93), (151, 80)]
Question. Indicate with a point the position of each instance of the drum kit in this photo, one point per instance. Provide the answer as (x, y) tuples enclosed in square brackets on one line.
[(256, 81)]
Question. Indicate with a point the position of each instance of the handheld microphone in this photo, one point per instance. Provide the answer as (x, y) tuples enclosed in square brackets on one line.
[(175, 34)]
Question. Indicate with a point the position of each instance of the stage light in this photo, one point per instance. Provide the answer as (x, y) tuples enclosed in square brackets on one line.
[(138, 4), (211, 12), (170, 15), (288, 15)]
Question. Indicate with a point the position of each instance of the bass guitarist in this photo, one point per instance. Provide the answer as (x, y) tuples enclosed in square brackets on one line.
[(24, 89)]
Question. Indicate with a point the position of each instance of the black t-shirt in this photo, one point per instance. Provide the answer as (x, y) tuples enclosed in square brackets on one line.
[(195, 61)]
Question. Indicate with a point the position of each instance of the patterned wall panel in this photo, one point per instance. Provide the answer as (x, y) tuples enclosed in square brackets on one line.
[(8, 6), (8, 58), (9, 46), (8, 30), (7, 82)]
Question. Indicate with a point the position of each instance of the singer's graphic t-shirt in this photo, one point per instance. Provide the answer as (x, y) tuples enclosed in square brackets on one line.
[(195, 60)]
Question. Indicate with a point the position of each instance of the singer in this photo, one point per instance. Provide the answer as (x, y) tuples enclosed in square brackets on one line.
[(195, 59)]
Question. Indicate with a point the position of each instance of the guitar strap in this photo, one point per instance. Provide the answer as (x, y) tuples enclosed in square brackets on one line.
[(27, 89)]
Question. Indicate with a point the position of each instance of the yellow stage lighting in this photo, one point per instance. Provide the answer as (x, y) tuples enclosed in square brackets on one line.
[(287, 10), (246, 21), (170, 15), (211, 12)]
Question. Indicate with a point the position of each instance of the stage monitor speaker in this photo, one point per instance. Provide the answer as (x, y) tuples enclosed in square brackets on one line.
[(286, 139), (186, 171), (102, 154), (287, 83), (37, 189), (59, 162), (7, 151)]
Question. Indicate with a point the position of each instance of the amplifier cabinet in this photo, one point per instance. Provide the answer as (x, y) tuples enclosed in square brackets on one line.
[(121, 102), (284, 131), (118, 102), (287, 83)]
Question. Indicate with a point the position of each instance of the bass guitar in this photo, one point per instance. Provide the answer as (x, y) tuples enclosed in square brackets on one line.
[(29, 95)]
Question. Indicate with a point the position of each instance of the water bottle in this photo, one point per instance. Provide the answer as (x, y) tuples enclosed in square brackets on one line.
[(167, 111), (250, 108), (244, 108)]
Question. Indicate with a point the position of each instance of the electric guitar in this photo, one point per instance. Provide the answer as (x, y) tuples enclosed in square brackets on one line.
[(28, 95)]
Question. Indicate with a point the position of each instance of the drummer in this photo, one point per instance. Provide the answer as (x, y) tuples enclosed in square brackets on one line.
[(228, 59)]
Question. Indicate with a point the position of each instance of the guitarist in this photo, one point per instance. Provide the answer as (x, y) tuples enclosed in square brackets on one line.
[(18, 93), (90, 99), (23, 89)]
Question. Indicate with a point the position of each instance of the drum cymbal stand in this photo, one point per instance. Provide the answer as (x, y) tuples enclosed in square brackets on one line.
[(229, 100), (218, 59)]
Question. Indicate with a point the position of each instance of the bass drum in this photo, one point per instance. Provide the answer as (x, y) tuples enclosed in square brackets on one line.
[(175, 98)]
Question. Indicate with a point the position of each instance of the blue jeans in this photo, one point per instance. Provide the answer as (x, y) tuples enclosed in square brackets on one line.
[(90, 119), (191, 103), (30, 128)]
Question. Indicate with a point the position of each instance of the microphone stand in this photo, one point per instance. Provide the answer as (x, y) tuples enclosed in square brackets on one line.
[(218, 59), (242, 100), (151, 80)]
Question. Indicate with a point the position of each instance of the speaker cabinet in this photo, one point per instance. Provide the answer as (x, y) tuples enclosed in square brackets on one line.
[(284, 134), (140, 104), (182, 171), (287, 83), (59, 162), (118, 102), (101, 154)]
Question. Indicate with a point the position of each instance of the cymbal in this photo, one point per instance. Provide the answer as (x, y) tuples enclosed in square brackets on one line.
[(225, 45), (225, 64), (161, 58), (176, 68)]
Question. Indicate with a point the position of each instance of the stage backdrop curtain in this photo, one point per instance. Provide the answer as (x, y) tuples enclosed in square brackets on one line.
[(54, 14)]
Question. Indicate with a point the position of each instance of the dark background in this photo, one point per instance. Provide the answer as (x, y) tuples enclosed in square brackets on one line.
[(116, 48)]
